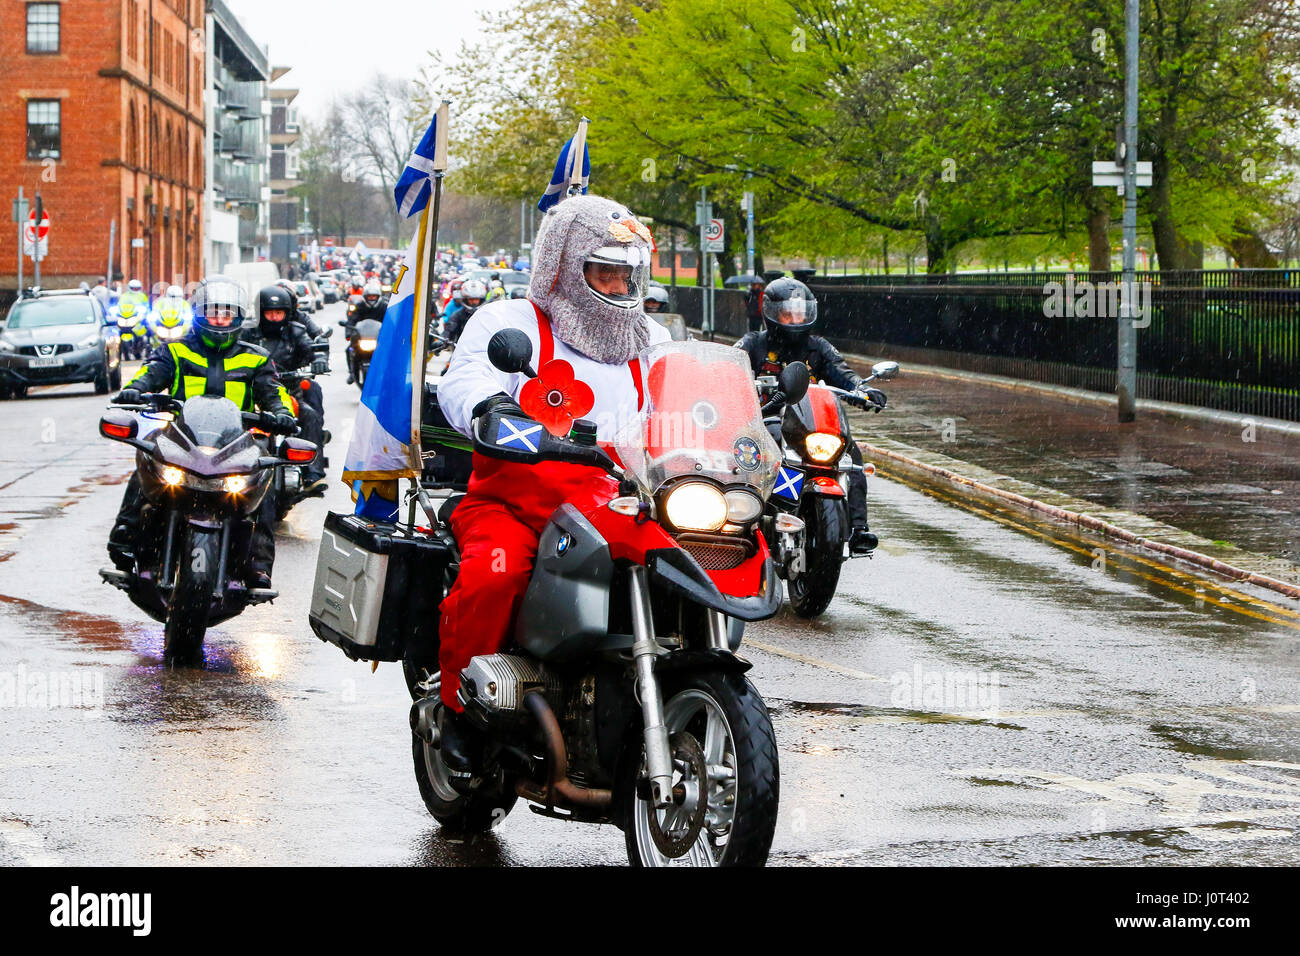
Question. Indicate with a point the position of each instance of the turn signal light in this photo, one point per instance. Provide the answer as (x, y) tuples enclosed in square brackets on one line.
[(299, 454), (111, 430)]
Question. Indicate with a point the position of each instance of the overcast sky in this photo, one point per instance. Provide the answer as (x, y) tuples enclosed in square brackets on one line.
[(335, 46)]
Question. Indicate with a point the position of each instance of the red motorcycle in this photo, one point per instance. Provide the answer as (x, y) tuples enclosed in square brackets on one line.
[(622, 699), (813, 484)]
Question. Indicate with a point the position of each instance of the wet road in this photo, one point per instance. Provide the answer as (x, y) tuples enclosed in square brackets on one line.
[(983, 691)]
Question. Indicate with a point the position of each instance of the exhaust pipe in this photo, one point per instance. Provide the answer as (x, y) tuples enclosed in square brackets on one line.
[(558, 785)]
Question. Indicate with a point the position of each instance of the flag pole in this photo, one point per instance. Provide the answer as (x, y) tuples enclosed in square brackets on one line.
[(576, 153), (424, 315)]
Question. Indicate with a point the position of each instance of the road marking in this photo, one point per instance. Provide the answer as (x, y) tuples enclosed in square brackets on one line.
[(1198, 585), (814, 661)]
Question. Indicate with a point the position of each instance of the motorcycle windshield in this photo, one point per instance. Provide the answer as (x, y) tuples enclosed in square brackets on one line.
[(214, 422), (700, 417)]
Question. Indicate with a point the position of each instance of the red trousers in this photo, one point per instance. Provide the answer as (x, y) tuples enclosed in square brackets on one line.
[(497, 527)]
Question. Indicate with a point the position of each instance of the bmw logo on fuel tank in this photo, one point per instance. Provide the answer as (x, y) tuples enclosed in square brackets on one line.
[(562, 545)]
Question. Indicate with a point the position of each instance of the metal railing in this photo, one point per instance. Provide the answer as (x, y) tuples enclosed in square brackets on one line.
[(1225, 339)]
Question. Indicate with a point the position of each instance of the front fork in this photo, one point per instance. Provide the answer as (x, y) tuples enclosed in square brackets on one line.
[(659, 758)]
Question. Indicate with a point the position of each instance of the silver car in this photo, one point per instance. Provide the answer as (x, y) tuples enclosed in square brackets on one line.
[(52, 337)]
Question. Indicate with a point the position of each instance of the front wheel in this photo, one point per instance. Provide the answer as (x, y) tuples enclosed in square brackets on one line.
[(725, 772), (825, 531), (197, 565)]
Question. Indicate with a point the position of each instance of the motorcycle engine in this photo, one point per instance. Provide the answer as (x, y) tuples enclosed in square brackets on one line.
[(493, 685)]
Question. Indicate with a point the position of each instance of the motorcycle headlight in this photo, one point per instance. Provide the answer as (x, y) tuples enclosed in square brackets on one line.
[(235, 484), (742, 507), (366, 345), (171, 475), (823, 447), (696, 506)]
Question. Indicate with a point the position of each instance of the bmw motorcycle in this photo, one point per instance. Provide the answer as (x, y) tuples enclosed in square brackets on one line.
[(203, 475), (813, 484), (622, 699)]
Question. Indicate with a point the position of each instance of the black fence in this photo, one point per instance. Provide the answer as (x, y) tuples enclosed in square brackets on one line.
[(1225, 339)]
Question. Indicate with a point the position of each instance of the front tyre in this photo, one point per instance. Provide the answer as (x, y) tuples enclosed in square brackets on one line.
[(725, 764), (198, 562), (825, 531)]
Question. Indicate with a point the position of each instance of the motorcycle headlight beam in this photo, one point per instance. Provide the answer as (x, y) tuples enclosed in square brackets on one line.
[(823, 447), (172, 476), (696, 506), (366, 345), (235, 484)]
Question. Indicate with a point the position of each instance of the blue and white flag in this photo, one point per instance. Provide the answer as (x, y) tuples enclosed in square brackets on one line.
[(415, 184), (565, 173), (789, 483), (385, 442)]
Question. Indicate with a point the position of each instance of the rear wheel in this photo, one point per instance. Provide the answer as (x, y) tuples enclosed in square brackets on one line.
[(725, 765), (198, 562), (825, 531), (477, 811)]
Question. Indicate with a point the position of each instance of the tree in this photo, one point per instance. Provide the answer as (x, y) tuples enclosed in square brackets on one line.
[(385, 121)]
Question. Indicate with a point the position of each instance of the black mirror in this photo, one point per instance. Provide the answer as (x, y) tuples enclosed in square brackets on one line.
[(511, 350), (794, 382), (342, 322), (884, 370)]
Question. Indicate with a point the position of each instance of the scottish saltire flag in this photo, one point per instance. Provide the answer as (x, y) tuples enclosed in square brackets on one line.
[(518, 433), (415, 184), (383, 449), (563, 174), (789, 483)]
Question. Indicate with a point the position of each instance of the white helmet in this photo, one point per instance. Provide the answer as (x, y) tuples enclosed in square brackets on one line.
[(372, 291), (175, 292), (473, 293), (135, 285)]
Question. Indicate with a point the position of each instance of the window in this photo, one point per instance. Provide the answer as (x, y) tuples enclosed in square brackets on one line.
[(133, 32), (42, 28), (44, 137)]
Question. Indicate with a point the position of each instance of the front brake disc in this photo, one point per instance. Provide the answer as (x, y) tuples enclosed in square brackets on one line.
[(678, 839)]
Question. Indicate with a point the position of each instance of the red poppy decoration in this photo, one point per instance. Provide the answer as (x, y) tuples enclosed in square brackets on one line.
[(555, 398)]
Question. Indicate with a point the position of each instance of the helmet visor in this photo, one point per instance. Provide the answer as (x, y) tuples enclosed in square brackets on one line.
[(794, 312), (616, 275)]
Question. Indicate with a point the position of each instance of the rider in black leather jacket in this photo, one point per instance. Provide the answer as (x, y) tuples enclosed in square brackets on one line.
[(790, 313)]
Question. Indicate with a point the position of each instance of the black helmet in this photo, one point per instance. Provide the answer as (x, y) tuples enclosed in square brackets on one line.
[(790, 310), (271, 298), (220, 308)]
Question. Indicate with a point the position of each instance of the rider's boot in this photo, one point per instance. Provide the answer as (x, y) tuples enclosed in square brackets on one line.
[(862, 541)]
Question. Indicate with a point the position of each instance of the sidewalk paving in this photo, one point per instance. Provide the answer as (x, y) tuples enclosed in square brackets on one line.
[(1203, 477)]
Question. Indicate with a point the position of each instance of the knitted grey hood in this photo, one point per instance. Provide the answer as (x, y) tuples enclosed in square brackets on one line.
[(572, 230)]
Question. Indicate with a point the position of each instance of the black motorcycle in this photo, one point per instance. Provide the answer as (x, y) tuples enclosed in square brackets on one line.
[(287, 485), (203, 475), (362, 339)]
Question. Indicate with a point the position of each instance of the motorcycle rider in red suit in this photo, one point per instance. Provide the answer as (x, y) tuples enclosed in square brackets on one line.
[(587, 326)]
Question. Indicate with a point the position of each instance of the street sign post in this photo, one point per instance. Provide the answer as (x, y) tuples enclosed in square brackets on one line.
[(36, 237), (704, 219), (20, 217), (714, 236)]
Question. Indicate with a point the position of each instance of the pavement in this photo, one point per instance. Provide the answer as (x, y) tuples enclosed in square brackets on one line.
[(983, 692), (1222, 485)]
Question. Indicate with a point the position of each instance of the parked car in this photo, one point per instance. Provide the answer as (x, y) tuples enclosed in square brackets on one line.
[(57, 336), (306, 300)]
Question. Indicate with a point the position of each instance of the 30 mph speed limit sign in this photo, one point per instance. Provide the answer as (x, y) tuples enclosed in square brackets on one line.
[(714, 236)]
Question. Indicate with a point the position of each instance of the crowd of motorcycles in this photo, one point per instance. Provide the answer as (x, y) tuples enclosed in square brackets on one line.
[(623, 699)]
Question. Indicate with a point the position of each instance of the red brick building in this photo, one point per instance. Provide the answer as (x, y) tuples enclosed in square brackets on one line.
[(101, 110)]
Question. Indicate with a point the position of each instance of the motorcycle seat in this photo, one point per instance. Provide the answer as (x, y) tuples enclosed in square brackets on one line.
[(448, 506)]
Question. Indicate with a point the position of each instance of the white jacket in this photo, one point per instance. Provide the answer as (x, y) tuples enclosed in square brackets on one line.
[(471, 377)]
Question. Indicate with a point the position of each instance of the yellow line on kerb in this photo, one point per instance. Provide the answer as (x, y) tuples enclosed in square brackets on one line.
[(1273, 613)]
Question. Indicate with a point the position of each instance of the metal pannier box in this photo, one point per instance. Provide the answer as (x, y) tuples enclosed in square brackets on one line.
[(377, 589)]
